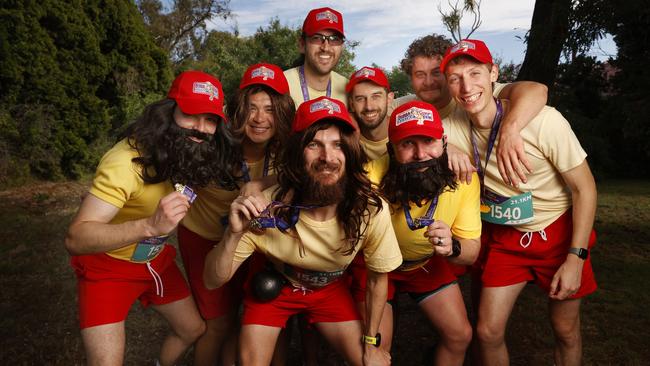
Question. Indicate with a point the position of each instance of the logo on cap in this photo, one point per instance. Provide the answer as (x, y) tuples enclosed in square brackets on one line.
[(263, 72), (414, 114), (324, 105), (464, 46), (205, 88), (364, 72), (327, 15)]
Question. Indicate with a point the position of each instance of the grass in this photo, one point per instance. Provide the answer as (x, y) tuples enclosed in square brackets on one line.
[(38, 296)]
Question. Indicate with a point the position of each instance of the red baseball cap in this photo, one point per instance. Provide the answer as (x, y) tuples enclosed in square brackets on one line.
[(323, 18), (318, 109), (373, 74), (414, 118), (469, 47), (196, 92), (265, 74)]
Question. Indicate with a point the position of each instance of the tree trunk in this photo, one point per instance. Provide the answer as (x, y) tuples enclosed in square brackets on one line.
[(548, 31)]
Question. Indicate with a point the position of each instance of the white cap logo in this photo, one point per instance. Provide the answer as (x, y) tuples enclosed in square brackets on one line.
[(325, 104), (414, 114), (463, 46), (263, 72), (205, 88), (364, 72), (327, 15)]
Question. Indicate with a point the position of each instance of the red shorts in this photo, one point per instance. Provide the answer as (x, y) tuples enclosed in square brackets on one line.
[(509, 263), (212, 303), (331, 304), (431, 277), (108, 286)]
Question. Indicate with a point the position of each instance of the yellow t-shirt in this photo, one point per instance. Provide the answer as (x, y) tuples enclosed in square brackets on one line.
[(321, 241), (117, 181), (460, 209), (551, 147), (446, 110), (338, 87), (374, 149), (212, 204)]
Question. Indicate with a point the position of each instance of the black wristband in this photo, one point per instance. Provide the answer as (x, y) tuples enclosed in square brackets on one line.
[(455, 248)]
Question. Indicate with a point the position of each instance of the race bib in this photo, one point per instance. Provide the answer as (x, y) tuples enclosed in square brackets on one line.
[(149, 248), (312, 279), (501, 210)]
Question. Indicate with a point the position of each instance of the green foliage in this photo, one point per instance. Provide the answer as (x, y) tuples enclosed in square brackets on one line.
[(67, 68), (227, 55), (400, 84)]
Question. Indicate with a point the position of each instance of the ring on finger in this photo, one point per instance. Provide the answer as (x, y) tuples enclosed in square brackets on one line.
[(439, 241)]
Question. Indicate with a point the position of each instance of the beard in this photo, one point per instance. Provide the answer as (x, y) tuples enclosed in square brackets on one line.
[(406, 183), (381, 114), (189, 161), (318, 193)]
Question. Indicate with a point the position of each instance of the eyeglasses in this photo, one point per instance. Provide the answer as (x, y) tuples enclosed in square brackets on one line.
[(317, 38)]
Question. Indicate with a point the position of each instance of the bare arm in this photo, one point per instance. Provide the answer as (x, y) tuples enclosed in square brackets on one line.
[(90, 231), (219, 263), (527, 98), (567, 279), (376, 295)]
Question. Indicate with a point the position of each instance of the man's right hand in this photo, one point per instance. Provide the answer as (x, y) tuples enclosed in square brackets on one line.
[(243, 209), (170, 211), (460, 164), (375, 356)]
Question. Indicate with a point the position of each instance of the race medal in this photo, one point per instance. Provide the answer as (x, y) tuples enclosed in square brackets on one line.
[(185, 191), (515, 210), (149, 248)]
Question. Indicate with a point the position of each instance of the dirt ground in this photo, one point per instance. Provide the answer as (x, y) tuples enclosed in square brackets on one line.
[(38, 296)]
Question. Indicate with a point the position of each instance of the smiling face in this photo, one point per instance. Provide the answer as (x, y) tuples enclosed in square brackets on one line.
[(470, 84), (428, 82), (324, 157), (203, 122), (321, 58), (260, 125), (414, 149), (369, 104)]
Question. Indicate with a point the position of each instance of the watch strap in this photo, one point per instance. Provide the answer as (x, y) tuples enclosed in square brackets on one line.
[(375, 341), (582, 253)]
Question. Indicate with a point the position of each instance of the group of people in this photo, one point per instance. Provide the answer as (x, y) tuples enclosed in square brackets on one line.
[(321, 196)]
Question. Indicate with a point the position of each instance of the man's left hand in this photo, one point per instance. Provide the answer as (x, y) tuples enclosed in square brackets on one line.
[(567, 279), (375, 356), (439, 235)]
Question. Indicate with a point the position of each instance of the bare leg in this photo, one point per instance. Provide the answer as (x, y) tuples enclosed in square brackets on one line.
[(385, 327), (341, 336), (494, 311), (257, 343), (186, 326), (565, 319), (104, 344), (446, 311), (210, 344)]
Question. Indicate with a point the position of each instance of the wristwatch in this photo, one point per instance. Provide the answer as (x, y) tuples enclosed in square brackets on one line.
[(455, 248), (375, 341), (582, 253)]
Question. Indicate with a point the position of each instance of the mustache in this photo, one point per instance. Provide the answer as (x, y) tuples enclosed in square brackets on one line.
[(319, 166), (186, 132)]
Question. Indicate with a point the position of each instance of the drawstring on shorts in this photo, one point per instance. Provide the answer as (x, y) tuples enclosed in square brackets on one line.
[(156, 279), (528, 237)]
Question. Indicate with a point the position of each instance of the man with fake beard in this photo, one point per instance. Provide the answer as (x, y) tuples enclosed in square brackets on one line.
[(323, 212), (437, 222), (141, 190), (321, 44), (369, 98)]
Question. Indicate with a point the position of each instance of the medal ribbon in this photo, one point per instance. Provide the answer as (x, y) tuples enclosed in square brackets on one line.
[(265, 172), (267, 220), (490, 145), (303, 84), (422, 221)]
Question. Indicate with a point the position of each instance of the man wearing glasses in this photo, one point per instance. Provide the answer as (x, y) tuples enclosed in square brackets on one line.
[(321, 43)]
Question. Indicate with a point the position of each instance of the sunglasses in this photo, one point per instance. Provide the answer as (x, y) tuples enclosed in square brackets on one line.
[(317, 38)]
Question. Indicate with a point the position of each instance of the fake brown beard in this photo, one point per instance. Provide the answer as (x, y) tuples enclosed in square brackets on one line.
[(316, 193), (189, 161), (404, 183)]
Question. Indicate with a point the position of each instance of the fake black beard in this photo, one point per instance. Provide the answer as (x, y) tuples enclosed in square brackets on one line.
[(419, 186), (190, 162), (316, 193)]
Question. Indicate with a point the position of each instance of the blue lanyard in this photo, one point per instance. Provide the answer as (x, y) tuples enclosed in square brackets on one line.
[(303, 84), (267, 220), (422, 221), (490, 145), (265, 172)]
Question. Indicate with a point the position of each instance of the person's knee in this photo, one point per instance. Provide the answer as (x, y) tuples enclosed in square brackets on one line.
[(458, 338), (191, 332), (567, 333), (489, 333)]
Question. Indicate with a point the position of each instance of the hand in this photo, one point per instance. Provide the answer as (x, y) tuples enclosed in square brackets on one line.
[(439, 235), (170, 211), (460, 164), (243, 209), (375, 356), (567, 279), (511, 157)]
